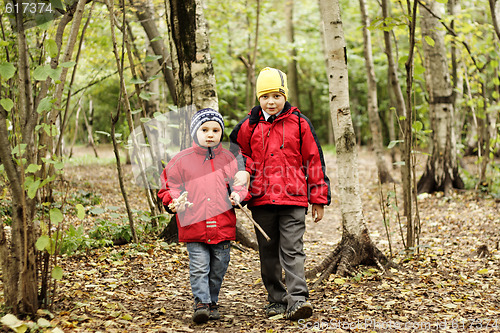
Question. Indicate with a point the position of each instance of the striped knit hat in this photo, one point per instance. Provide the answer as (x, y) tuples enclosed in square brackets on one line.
[(203, 116)]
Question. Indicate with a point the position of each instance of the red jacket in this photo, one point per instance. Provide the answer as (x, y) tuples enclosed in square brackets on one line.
[(284, 158), (206, 178)]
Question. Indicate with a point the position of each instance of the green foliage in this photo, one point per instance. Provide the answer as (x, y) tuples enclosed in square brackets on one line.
[(77, 240), (5, 210), (85, 198), (107, 231), (490, 186), (329, 148), (111, 230), (229, 21)]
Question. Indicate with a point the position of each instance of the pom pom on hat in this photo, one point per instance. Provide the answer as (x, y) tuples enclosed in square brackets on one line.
[(203, 116), (271, 80)]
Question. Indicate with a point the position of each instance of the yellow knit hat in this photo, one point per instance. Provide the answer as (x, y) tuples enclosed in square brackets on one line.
[(270, 80)]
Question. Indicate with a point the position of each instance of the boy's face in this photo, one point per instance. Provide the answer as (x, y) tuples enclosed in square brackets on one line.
[(272, 102), (209, 134)]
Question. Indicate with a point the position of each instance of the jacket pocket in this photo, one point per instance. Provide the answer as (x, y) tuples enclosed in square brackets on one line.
[(257, 184), (296, 184)]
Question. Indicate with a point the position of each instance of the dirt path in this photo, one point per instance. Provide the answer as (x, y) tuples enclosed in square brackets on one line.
[(145, 287)]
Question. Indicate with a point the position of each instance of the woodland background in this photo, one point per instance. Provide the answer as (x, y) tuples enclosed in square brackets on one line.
[(74, 86)]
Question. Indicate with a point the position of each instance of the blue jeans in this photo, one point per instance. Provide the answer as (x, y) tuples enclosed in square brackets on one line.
[(207, 267)]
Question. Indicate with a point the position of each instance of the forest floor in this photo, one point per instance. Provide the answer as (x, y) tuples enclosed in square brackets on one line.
[(447, 287)]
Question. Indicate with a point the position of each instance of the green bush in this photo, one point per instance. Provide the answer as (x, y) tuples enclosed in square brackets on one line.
[(76, 240), (110, 230)]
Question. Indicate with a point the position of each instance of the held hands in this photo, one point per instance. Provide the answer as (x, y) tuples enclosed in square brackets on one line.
[(179, 205), (234, 198), (317, 211)]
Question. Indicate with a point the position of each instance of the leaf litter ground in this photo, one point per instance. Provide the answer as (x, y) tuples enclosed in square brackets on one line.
[(447, 287)]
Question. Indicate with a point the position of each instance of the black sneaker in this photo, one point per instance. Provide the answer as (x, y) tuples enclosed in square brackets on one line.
[(274, 309), (300, 310), (201, 313), (214, 312)]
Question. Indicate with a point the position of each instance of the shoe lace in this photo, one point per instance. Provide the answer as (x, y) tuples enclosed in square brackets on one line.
[(200, 306)]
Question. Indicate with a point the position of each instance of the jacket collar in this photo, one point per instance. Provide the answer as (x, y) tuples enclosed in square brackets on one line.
[(256, 113), (208, 152)]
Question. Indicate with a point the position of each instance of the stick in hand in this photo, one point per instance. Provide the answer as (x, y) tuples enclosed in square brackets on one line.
[(255, 223)]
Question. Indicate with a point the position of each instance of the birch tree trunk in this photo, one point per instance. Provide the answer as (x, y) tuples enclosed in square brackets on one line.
[(192, 64), (441, 172), (355, 246), (193, 70), (373, 114)]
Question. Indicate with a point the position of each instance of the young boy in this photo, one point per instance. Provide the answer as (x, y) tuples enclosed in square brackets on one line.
[(284, 157), (206, 219)]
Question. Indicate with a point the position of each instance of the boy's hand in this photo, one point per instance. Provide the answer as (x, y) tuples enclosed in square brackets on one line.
[(179, 205), (317, 211), (234, 198)]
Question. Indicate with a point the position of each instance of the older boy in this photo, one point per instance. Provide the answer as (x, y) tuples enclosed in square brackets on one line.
[(285, 159)]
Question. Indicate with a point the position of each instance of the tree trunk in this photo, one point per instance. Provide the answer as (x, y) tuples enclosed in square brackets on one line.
[(441, 172), (17, 258), (88, 126), (192, 64), (404, 111), (67, 114), (193, 69), (356, 246), (153, 88), (390, 118), (75, 134), (373, 114), (249, 60), (144, 12), (293, 75)]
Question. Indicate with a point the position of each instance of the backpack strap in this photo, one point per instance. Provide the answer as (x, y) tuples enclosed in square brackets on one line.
[(300, 129)]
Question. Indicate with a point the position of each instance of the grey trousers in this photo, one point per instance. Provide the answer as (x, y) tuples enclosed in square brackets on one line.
[(285, 225)]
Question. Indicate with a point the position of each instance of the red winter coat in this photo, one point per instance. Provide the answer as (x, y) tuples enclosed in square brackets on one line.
[(284, 158), (206, 178)]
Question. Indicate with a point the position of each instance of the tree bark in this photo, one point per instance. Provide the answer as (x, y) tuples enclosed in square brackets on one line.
[(441, 172), (192, 63), (404, 112), (373, 114), (66, 117), (293, 74), (355, 246), (88, 126), (153, 88), (249, 61), (18, 259), (145, 15)]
